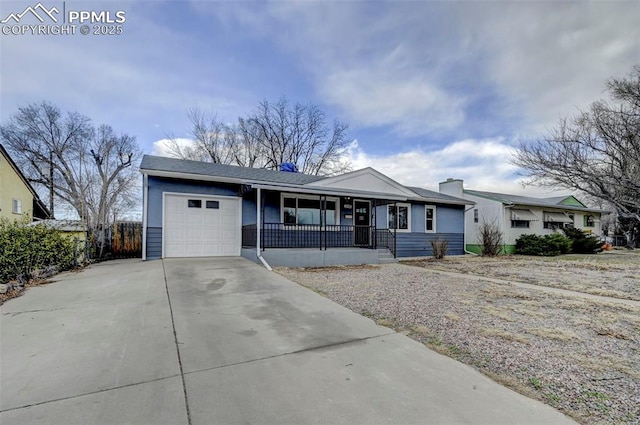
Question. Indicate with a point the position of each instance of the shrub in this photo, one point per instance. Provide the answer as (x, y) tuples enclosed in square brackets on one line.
[(581, 242), (491, 239), (558, 243), (548, 245), (24, 249), (439, 247)]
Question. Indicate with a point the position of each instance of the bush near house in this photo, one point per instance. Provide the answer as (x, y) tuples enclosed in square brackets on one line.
[(581, 242), (491, 239), (25, 249), (547, 245), (439, 248)]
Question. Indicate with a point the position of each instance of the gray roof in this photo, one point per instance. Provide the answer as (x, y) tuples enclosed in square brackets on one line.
[(430, 194), (62, 225), (551, 202), (161, 163), (183, 168)]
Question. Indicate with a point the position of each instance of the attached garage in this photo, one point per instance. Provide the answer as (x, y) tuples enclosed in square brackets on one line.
[(201, 226)]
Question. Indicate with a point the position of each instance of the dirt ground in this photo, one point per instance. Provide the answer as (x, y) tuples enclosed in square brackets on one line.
[(579, 355)]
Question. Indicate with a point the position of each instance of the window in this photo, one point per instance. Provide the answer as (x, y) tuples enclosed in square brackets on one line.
[(213, 205), (475, 215), (589, 221), (430, 219), (553, 225), (301, 210), (399, 217), (522, 224), (17, 206), (194, 203)]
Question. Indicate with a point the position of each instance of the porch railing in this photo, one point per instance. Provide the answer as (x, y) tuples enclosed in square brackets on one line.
[(280, 235), (385, 238)]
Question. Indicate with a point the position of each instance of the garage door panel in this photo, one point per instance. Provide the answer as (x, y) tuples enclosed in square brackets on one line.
[(200, 232)]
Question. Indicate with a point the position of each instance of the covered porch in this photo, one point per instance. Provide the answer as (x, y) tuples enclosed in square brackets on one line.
[(317, 226)]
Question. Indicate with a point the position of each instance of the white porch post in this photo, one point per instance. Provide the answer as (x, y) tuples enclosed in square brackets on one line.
[(258, 220)]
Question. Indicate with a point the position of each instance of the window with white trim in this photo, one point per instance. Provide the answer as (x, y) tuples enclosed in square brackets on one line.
[(589, 220), (475, 215), (430, 219), (17, 206), (301, 210), (399, 216)]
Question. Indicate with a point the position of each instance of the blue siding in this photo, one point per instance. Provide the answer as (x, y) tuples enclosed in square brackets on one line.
[(249, 208), (419, 244), (381, 217), (154, 242), (417, 218), (450, 219), (271, 204)]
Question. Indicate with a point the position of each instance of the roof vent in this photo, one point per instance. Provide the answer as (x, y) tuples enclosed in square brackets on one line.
[(288, 167)]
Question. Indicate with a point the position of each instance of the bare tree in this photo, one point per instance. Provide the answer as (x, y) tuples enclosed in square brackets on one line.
[(273, 134), (86, 167), (596, 152), (299, 134), (212, 143)]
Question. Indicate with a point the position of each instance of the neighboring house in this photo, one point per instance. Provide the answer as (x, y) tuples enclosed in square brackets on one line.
[(193, 209), (74, 230), (519, 215), (17, 196)]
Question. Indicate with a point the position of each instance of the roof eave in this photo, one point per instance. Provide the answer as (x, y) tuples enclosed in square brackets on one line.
[(442, 201), (327, 191)]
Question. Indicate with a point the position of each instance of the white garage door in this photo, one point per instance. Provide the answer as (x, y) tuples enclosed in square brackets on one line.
[(201, 226)]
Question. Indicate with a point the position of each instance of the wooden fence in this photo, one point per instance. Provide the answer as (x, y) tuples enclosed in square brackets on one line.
[(119, 240), (127, 240)]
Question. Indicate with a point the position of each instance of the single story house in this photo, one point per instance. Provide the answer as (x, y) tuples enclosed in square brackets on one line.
[(195, 209), (519, 215)]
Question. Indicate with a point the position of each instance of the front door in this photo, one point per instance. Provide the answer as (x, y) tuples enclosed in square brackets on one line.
[(362, 223)]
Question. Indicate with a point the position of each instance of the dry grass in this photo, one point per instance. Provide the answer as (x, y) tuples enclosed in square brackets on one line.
[(500, 333), (452, 316), (612, 274), (564, 335), (498, 313)]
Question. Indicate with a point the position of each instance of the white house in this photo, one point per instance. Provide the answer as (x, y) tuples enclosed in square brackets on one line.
[(519, 215)]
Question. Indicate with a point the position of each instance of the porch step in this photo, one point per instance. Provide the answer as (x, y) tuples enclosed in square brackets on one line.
[(386, 257)]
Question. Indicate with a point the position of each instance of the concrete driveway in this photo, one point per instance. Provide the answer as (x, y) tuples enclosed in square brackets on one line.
[(223, 341)]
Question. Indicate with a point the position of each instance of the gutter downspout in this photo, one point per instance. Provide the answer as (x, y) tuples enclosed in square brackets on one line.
[(464, 235), (507, 208), (145, 196), (258, 222)]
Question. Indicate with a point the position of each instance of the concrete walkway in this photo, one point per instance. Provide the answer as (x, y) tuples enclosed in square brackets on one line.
[(223, 341)]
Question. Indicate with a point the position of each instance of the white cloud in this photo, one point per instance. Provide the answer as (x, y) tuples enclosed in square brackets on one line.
[(162, 147), (482, 164)]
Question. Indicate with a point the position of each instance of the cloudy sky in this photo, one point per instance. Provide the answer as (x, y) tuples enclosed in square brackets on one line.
[(430, 90)]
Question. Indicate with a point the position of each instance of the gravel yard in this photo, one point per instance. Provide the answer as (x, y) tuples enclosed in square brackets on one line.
[(580, 355)]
